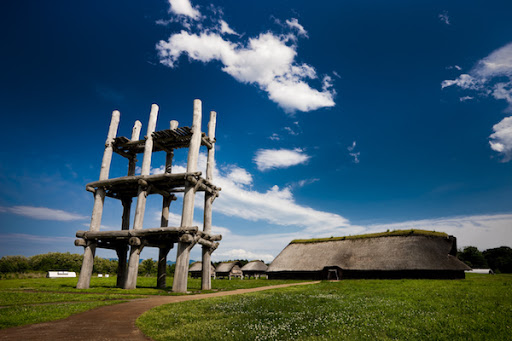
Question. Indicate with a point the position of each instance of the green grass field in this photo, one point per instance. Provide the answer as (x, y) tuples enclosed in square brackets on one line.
[(35, 300), (478, 308)]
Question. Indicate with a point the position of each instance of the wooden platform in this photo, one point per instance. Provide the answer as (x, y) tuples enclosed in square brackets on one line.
[(152, 237), (163, 140), (164, 184)]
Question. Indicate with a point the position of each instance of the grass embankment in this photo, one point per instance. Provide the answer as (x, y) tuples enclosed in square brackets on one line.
[(35, 300), (478, 308)]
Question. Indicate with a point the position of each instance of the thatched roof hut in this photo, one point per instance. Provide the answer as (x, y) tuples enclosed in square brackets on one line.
[(397, 254), (229, 269), (254, 268), (196, 268)]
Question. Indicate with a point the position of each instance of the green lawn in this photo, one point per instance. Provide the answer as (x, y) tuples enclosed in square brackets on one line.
[(478, 308), (34, 300)]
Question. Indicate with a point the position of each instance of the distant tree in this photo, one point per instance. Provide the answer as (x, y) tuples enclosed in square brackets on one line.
[(170, 269), (17, 264), (499, 259), (56, 261), (472, 257), (105, 266), (147, 267)]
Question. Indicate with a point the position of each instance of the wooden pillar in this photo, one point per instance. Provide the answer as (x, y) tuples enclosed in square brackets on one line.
[(187, 217), (206, 281), (99, 198), (166, 202), (123, 249), (163, 251), (135, 137), (138, 220), (162, 267), (170, 155), (125, 225)]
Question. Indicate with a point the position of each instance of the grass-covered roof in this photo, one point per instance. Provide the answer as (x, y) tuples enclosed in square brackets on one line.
[(411, 232)]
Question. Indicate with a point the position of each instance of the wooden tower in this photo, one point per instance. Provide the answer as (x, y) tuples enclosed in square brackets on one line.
[(140, 186)]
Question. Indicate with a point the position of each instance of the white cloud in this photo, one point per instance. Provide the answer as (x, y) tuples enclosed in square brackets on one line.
[(444, 18), (274, 137), (43, 213), (492, 76), (497, 64), (454, 67), (464, 81), (240, 176), (501, 139), (355, 156), (294, 23), (275, 206), (291, 131), (279, 158), (305, 182), (184, 7), (241, 254), (267, 61), (466, 98), (224, 28)]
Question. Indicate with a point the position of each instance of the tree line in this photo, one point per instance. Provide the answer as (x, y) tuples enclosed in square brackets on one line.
[(54, 261), (498, 259), (70, 262)]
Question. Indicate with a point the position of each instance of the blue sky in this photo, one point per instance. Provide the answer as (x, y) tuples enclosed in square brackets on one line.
[(334, 117)]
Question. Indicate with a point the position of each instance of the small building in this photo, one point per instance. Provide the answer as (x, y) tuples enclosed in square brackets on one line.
[(60, 274), (255, 268), (396, 254), (195, 270), (229, 270)]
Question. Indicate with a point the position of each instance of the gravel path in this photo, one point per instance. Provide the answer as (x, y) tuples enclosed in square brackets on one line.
[(115, 322)]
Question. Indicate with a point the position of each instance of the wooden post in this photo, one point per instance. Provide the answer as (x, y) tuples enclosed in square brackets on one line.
[(206, 281), (135, 137), (122, 250), (138, 220), (162, 253), (169, 156), (166, 202), (99, 197), (162, 267), (187, 217), (127, 205)]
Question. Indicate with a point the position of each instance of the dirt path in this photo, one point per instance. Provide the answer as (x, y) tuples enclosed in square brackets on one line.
[(116, 322)]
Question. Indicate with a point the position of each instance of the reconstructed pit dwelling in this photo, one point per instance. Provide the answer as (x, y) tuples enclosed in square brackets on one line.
[(140, 186), (396, 254)]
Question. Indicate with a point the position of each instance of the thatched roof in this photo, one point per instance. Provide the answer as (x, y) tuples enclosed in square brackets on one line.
[(255, 265), (226, 266), (198, 266), (407, 251)]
